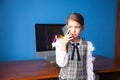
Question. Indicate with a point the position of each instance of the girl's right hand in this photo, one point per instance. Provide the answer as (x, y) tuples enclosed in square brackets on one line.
[(68, 37)]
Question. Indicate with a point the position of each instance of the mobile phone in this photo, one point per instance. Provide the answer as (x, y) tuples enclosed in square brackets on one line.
[(64, 29)]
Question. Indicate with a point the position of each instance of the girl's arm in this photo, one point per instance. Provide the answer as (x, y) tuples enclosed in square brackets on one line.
[(90, 60), (61, 55), (61, 49)]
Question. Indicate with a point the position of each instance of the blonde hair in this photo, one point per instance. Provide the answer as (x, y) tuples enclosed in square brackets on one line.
[(76, 17)]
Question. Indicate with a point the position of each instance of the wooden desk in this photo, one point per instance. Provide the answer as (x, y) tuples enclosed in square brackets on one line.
[(106, 69), (28, 70), (39, 70)]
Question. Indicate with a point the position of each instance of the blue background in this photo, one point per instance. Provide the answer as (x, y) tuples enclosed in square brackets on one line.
[(18, 19)]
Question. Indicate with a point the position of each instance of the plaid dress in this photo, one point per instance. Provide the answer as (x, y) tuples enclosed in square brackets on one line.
[(75, 69)]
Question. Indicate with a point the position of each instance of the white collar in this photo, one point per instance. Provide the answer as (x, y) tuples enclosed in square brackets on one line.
[(80, 42)]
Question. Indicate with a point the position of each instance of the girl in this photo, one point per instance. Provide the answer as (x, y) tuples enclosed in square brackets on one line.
[(74, 54)]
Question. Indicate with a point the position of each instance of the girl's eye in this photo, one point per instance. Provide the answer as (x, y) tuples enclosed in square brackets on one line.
[(74, 27), (69, 26), (77, 27)]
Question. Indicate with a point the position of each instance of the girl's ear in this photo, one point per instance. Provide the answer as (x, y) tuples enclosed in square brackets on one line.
[(83, 27)]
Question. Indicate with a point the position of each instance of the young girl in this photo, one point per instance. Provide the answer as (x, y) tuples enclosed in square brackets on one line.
[(74, 54)]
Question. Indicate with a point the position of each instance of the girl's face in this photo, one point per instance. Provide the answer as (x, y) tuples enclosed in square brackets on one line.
[(74, 28)]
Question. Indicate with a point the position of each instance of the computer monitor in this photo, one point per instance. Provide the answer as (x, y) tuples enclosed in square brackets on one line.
[(45, 34)]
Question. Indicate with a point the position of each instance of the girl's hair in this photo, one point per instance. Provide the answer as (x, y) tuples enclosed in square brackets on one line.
[(76, 17)]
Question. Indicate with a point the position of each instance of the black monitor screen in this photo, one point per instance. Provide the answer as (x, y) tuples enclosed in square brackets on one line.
[(44, 35)]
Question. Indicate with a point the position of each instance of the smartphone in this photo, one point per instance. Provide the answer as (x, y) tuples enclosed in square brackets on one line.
[(64, 29)]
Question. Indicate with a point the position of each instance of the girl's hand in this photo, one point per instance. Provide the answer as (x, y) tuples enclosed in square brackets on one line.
[(68, 37)]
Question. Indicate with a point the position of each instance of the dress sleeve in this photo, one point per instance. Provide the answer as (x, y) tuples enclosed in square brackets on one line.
[(90, 59), (61, 56)]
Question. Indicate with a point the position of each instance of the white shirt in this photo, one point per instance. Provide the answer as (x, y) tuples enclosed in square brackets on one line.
[(62, 58)]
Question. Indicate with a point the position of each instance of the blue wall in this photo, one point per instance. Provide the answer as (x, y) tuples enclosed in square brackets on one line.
[(18, 17)]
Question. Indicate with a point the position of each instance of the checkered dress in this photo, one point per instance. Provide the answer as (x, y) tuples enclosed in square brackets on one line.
[(75, 70)]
